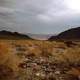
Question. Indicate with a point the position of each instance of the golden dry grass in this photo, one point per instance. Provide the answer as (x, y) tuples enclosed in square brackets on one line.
[(12, 51), (9, 51)]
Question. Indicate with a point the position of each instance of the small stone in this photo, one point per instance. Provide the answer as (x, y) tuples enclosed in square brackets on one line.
[(40, 74), (57, 72), (26, 59), (37, 74)]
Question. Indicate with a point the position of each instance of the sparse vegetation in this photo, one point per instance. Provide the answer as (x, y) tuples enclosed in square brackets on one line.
[(39, 60)]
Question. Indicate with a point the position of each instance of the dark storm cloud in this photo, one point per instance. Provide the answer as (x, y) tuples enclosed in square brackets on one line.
[(37, 16)]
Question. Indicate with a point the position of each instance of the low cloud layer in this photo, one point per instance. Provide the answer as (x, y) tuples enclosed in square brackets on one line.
[(39, 16)]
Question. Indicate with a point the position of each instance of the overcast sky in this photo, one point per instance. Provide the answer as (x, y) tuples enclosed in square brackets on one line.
[(39, 16)]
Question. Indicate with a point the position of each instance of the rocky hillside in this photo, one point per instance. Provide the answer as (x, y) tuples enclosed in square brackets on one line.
[(12, 35), (71, 34)]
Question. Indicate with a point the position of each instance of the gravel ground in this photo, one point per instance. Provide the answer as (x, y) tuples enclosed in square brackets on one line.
[(43, 68)]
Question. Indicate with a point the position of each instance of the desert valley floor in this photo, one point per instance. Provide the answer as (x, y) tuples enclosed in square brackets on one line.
[(39, 60)]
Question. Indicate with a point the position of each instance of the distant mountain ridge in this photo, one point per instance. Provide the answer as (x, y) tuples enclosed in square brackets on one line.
[(5, 34), (71, 34), (12, 35)]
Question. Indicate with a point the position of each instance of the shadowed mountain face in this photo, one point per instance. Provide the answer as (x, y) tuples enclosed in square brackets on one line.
[(71, 34), (12, 35), (4, 34)]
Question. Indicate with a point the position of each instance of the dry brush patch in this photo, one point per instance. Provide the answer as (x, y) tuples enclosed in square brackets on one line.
[(18, 55)]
